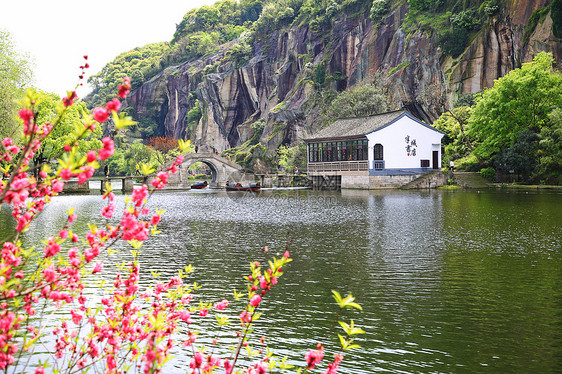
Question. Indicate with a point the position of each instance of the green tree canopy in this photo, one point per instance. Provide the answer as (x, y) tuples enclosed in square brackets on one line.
[(15, 76), (360, 101), (520, 100), (64, 132)]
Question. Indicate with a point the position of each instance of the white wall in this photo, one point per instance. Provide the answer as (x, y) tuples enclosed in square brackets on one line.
[(393, 139)]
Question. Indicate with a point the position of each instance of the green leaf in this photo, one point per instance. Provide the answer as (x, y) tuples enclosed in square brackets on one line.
[(122, 121), (184, 146), (146, 169), (346, 302), (351, 329)]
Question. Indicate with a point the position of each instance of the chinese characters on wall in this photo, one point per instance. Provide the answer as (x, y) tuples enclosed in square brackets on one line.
[(411, 146)]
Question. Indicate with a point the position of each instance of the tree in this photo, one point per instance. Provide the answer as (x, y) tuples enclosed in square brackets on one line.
[(454, 124), (360, 101), (519, 101), (15, 75), (164, 146), (379, 9), (550, 149), (519, 159), (48, 108)]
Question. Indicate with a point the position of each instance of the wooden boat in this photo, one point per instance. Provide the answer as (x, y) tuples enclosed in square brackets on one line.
[(199, 185), (240, 187)]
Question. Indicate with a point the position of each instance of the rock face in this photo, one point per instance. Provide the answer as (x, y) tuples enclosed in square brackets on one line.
[(277, 83)]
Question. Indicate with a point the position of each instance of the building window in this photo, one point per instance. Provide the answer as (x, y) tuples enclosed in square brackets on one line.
[(424, 163), (379, 152), (348, 150)]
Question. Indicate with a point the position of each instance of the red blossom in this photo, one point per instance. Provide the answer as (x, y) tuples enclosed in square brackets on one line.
[(113, 105), (101, 114), (107, 150), (69, 99), (255, 300), (124, 88)]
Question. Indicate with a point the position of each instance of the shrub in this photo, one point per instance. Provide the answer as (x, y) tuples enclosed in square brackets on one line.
[(489, 8), (194, 114), (488, 173), (379, 9), (453, 42), (467, 19)]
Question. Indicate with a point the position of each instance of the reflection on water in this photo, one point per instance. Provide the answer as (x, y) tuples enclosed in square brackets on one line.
[(448, 281)]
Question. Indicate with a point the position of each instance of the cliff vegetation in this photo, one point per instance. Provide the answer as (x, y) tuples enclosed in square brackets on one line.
[(255, 77)]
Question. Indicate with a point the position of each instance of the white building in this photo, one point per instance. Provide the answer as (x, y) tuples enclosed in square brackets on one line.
[(384, 150)]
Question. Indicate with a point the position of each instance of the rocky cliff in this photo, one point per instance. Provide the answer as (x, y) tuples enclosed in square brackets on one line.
[(277, 84)]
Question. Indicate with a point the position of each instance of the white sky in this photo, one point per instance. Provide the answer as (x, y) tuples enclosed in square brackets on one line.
[(57, 33)]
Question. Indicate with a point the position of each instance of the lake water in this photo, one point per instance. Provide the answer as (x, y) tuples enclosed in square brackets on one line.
[(449, 281)]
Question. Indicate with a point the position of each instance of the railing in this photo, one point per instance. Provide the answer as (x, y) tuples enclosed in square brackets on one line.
[(338, 166), (378, 165)]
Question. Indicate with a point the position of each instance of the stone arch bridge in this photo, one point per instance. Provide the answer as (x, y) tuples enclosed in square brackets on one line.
[(222, 169)]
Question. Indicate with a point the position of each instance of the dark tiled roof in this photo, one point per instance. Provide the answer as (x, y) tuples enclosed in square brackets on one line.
[(360, 126), (355, 127)]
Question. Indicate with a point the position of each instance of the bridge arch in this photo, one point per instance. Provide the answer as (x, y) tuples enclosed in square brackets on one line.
[(222, 169), (214, 170)]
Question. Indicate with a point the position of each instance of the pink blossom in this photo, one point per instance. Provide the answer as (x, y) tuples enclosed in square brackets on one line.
[(160, 180), (71, 218), (91, 156), (111, 363), (222, 305), (260, 368), (52, 248), (57, 186), (7, 142), (227, 366), (69, 99), (97, 268), (107, 150), (101, 114), (333, 367), (155, 219), (63, 234), (185, 316), (124, 88), (197, 360), (113, 105), (26, 115), (203, 312), (65, 174), (107, 211), (255, 300), (245, 317), (86, 173), (50, 274), (76, 317), (73, 252), (139, 195), (313, 357), (39, 370)]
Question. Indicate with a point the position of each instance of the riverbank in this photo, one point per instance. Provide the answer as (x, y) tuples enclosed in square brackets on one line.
[(525, 186)]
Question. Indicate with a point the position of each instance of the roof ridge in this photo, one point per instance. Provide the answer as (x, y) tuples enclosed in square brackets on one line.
[(372, 115)]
